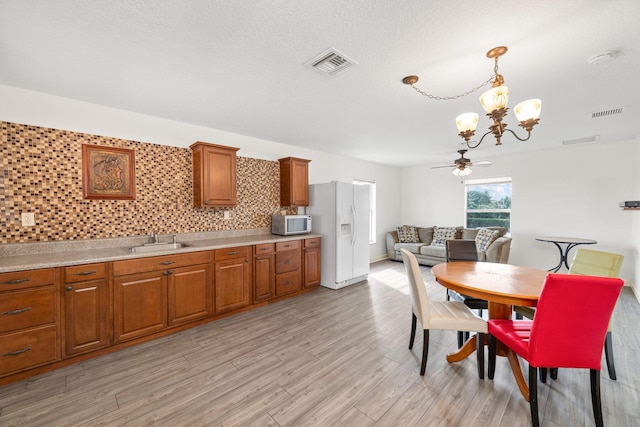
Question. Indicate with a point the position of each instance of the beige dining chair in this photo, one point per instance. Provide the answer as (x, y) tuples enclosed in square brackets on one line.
[(444, 315)]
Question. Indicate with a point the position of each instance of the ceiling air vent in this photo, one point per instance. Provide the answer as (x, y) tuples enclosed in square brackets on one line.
[(592, 138), (609, 112), (330, 63)]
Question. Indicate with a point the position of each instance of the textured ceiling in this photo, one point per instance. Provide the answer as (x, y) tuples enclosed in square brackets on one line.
[(238, 66)]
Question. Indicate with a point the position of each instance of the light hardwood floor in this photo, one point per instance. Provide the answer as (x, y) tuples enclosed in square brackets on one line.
[(324, 358)]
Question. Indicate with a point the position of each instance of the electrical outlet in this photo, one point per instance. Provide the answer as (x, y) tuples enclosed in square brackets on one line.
[(227, 215), (28, 219)]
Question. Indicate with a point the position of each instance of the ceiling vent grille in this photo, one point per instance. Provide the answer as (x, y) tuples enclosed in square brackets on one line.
[(330, 63), (592, 138), (609, 112)]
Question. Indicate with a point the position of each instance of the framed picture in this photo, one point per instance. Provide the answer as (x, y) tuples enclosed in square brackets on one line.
[(108, 173)]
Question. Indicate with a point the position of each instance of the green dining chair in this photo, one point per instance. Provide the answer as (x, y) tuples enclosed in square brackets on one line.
[(588, 262)]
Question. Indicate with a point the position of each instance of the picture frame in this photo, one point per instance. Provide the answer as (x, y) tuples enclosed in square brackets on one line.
[(108, 173)]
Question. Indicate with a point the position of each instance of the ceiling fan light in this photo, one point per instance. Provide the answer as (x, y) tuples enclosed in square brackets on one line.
[(528, 110), (461, 172), (495, 98), (467, 121)]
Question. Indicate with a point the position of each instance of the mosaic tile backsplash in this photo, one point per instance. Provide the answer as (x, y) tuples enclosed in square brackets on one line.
[(41, 172)]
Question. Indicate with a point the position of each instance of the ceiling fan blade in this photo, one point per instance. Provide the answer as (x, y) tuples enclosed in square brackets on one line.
[(484, 163), (444, 166)]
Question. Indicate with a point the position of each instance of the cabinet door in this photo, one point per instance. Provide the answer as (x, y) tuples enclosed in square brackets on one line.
[(214, 175), (232, 284), (140, 305), (86, 314), (294, 182), (189, 294), (263, 277), (311, 267)]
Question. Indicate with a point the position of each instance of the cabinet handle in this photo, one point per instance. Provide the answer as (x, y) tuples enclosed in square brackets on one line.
[(86, 273), (232, 252), (259, 258), (68, 288), (167, 262), (20, 310), (17, 352), (287, 261), (15, 281), (288, 282)]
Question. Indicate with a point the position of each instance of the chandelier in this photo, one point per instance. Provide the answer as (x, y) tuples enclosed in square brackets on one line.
[(494, 102)]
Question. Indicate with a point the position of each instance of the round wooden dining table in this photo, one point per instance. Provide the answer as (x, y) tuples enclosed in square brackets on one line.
[(502, 286)]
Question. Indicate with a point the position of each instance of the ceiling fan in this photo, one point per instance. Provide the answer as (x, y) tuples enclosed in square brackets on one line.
[(462, 165)]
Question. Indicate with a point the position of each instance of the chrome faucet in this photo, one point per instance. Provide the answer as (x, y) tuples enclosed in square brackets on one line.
[(154, 236)]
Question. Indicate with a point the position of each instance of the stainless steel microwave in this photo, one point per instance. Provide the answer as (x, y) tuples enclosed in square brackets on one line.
[(285, 225)]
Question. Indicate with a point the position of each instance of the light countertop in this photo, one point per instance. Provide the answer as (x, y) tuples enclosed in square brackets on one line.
[(29, 256)]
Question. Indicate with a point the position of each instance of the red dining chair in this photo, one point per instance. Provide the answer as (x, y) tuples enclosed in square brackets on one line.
[(561, 335)]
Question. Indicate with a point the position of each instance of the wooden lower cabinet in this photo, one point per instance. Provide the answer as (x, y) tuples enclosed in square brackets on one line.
[(28, 320), (311, 264), (86, 308), (140, 305), (264, 272), (288, 272), (50, 314), (233, 278), (190, 296)]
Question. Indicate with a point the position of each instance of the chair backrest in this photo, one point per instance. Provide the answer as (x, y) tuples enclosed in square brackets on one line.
[(419, 298), (461, 250), (596, 263), (571, 320)]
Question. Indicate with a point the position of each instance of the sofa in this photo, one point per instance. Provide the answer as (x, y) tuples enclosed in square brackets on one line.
[(428, 243)]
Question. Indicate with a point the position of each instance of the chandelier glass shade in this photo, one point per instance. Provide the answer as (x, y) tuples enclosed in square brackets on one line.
[(495, 103)]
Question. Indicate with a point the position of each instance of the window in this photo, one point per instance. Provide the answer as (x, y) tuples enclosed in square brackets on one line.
[(488, 202), (372, 207)]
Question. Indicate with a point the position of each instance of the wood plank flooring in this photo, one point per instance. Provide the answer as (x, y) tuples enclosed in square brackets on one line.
[(326, 358)]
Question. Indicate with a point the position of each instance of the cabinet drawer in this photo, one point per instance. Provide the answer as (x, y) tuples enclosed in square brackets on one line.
[(22, 350), (231, 253), (287, 246), (287, 283), (139, 265), (26, 279), (24, 309), (86, 272), (312, 243), (265, 248), (287, 261)]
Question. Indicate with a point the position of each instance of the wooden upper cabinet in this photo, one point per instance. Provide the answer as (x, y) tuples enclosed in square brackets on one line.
[(294, 182), (214, 175)]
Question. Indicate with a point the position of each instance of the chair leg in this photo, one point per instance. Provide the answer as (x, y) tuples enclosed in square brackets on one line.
[(414, 321), (554, 373), (533, 396), (595, 397), (518, 316), (460, 339), (608, 355), (425, 351), (491, 369), (480, 354), (543, 375)]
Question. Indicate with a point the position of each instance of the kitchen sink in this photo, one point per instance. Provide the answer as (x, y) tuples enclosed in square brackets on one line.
[(157, 247)]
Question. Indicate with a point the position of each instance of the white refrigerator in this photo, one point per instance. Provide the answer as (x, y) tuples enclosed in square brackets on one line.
[(340, 212)]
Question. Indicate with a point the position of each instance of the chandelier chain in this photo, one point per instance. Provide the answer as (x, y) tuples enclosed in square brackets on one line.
[(447, 98)]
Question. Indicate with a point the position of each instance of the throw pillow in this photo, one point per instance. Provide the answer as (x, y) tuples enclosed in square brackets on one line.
[(442, 234), (408, 234), (485, 237)]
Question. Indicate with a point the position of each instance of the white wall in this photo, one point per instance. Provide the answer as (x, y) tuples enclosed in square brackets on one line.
[(33, 108), (571, 191)]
